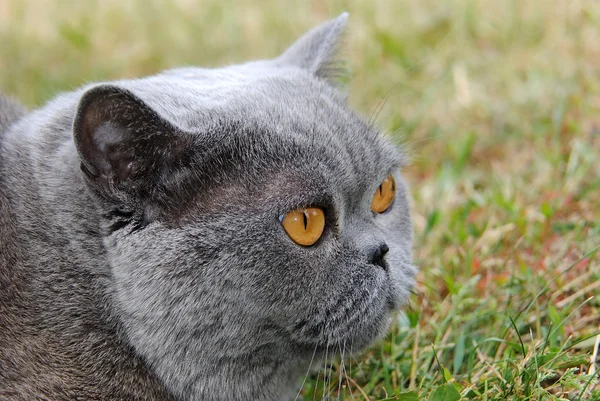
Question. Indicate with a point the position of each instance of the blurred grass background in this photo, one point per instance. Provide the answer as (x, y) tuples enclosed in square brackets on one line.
[(497, 101)]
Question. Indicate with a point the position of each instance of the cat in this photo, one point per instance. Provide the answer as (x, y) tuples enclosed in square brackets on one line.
[(200, 234)]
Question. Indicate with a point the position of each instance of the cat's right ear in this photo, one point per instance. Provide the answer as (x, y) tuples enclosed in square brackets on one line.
[(123, 144), (316, 50)]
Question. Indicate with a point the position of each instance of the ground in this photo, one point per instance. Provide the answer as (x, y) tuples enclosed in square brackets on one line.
[(498, 103)]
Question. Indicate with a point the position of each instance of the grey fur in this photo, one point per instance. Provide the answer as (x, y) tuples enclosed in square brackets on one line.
[(142, 256), (10, 112)]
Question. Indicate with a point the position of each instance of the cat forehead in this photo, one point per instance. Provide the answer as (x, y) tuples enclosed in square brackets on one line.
[(257, 157), (270, 104), (194, 97), (249, 121)]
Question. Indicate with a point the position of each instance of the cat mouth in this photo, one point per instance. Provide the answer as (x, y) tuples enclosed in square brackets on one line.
[(361, 327), (360, 318)]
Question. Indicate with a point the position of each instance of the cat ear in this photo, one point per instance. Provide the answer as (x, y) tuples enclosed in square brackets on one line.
[(122, 143), (316, 50)]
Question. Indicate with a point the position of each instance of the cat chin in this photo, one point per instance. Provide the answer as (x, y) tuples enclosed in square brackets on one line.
[(365, 338), (363, 334), (377, 328)]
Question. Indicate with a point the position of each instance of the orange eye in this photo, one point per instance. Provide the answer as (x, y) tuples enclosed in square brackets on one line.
[(304, 226), (384, 196)]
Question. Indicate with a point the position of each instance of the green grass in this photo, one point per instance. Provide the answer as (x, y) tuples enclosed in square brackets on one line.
[(499, 102)]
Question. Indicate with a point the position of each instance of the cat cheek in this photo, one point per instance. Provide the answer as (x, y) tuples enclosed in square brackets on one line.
[(402, 275)]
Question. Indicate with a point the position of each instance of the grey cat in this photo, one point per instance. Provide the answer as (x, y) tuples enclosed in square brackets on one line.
[(146, 248)]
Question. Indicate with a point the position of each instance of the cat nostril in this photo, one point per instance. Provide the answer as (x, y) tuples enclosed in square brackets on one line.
[(378, 255), (384, 249)]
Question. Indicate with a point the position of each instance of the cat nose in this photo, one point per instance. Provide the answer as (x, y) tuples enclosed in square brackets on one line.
[(378, 254)]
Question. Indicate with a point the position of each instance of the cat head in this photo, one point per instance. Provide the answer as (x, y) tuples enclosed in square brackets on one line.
[(246, 210)]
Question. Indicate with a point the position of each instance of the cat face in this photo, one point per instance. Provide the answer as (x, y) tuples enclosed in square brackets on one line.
[(194, 172)]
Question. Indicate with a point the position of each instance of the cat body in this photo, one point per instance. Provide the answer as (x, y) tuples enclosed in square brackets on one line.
[(142, 252)]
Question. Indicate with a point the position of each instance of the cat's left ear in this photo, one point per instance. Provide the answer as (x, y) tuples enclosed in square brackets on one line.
[(123, 144), (316, 50)]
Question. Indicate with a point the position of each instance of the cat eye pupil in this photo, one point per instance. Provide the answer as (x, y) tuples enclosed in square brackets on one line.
[(384, 195), (304, 226)]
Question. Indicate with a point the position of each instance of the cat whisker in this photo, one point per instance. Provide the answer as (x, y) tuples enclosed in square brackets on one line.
[(409, 146), (307, 371), (330, 375), (359, 366), (328, 378), (323, 359), (418, 141), (346, 373), (331, 367), (325, 371), (381, 105), (342, 369)]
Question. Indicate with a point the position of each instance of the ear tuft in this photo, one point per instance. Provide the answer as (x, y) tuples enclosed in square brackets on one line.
[(316, 50)]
